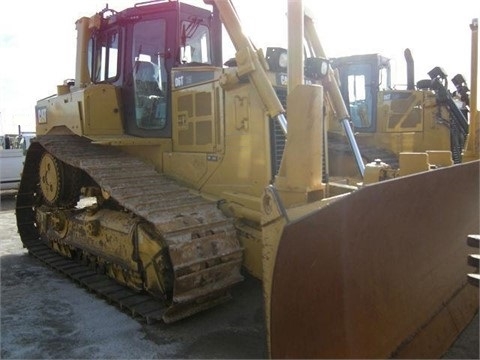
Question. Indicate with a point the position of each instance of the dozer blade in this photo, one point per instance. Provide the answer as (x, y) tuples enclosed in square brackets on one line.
[(379, 273)]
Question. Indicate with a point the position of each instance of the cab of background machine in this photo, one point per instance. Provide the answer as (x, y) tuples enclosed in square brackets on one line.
[(410, 119), (361, 77)]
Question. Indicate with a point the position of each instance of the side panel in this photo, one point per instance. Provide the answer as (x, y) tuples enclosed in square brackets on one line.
[(400, 111), (381, 272), (92, 111), (196, 110), (220, 138)]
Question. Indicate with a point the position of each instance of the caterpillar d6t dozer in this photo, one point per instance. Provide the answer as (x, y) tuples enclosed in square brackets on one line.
[(168, 172)]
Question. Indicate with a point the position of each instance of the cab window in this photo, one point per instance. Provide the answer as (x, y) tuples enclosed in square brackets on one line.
[(149, 74), (360, 100), (196, 42), (105, 61)]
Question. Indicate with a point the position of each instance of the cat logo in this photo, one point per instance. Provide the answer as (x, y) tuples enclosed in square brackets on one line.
[(41, 115)]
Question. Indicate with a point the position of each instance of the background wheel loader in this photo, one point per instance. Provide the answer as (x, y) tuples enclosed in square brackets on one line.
[(168, 172)]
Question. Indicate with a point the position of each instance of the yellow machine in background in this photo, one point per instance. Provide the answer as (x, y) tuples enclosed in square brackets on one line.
[(425, 116), (163, 169)]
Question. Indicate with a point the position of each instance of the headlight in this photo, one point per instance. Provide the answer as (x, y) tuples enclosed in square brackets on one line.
[(316, 67), (437, 72), (277, 59), (283, 60), (324, 68)]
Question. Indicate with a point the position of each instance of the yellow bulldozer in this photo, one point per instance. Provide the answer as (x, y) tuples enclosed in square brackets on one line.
[(159, 173), (387, 121)]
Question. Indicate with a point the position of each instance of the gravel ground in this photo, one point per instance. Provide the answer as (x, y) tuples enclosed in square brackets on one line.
[(45, 316)]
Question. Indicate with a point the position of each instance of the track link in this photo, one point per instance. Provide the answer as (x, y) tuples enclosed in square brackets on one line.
[(138, 305), (189, 224)]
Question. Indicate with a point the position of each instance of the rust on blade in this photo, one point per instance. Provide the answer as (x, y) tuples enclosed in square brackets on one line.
[(380, 273)]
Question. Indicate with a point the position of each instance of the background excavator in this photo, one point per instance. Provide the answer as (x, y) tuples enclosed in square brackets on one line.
[(159, 173)]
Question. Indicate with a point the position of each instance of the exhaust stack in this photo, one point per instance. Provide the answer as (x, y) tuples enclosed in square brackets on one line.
[(410, 69)]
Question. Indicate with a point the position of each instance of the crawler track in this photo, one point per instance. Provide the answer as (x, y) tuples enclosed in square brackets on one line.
[(190, 226)]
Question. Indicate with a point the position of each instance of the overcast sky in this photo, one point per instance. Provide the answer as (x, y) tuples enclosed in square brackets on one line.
[(38, 39)]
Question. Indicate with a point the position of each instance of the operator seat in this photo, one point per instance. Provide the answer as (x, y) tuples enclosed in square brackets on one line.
[(150, 102), (146, 79)]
